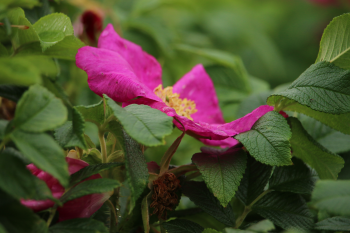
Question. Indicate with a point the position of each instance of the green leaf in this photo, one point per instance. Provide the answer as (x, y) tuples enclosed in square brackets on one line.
[(16, 218), (136, 168), (332, 196), (52, 29), (72, 132), (44, 152), (3, 125), (90, 170), (254, 181), (262, 226), (304, 147), (145, 212), (19, 182), (93, 157), (89, 187), (268, 140), (331, 139), (2, 229), (334, 224), (322, 87), (64, 49), (287, 210), (25, 70), (222, 171), (202, 197), (144, 124), (79, 225), (335, 42), (182, 226), (39, 110), (3, 51), (297, 178), (209, 230), (93, 113)]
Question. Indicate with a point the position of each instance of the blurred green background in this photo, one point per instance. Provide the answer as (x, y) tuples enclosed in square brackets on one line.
[(250, 48)]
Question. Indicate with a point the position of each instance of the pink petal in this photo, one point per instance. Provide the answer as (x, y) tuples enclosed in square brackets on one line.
[(82, 207), (108, 73), (145, 67), (228, 142), (196, 85)]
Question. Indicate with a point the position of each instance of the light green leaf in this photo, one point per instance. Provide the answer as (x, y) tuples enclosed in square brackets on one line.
[(93, 113), (287, 210), (268, 140), (335, 42), (88, 187), (203, 198), (322, 87), (334, 224), (182, 226), (16, 218), (90, 170), (79, 225), (208, 230), (136, 169), (72, 132), (262, 226), (3, 51), (93, 156), (297, 178), (222, 171), (52, 29), (44, 152), (39, 110), (144, 124), (304, 147), (25, 70), (19, 182), (254, 181), (332, 196)]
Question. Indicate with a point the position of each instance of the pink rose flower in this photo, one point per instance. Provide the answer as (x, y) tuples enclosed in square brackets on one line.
[(82, 207), (127, 74)]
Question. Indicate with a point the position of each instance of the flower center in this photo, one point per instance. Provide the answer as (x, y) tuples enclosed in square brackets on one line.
[(183, 107)]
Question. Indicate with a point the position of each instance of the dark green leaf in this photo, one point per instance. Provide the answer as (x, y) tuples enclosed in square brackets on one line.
[(146, 125), (12, 92), (93, 113), (44, 152), (39, 110), (79, 225), (19, 182), (136, 168), (254, 181), (3, 125), (268, 140), (297, 178), (89, 187), (182, 226), (88, 171), (304, 147), (25, 70), (202, 197), (52, 29), (16, 218), (332, 196), (334, 224), (322, 87), (72, 132), (260, 227), (222, 171), (335, 42), (287, 210), (208, 230)]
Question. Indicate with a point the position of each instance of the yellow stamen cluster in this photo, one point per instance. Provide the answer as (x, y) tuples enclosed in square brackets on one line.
[(183, 107)]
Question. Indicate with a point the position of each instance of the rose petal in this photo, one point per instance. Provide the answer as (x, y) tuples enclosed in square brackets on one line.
[(145, 67), (228, 142), (109, 73), (196, 85)]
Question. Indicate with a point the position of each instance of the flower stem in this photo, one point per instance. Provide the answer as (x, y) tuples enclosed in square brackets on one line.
[(103, 146), (52, 214), (248, 208)]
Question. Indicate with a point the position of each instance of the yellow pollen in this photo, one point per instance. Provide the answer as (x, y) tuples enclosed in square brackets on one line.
[(183, 107)]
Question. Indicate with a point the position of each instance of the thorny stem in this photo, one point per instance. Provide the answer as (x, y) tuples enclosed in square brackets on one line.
[(114, 217), (52, 214), (248, 208)]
